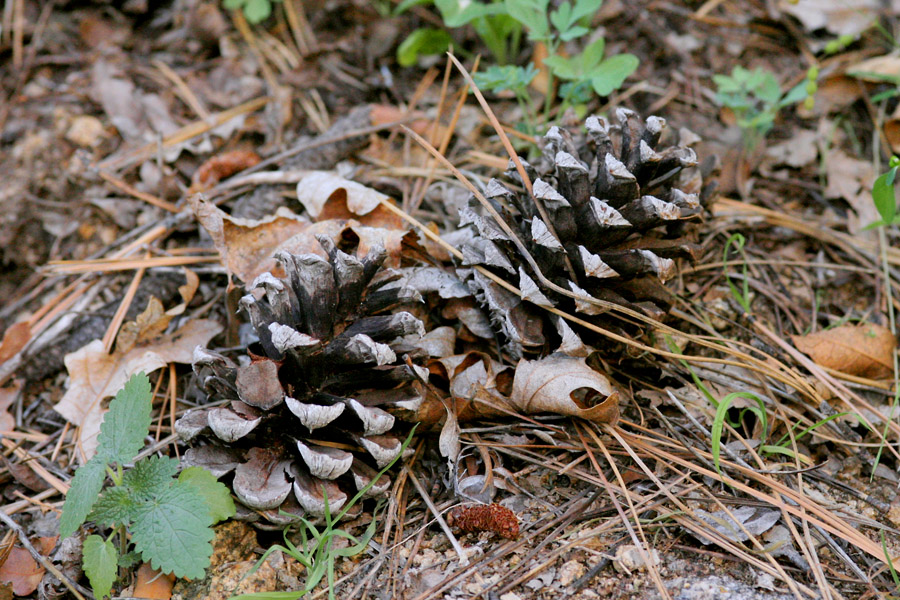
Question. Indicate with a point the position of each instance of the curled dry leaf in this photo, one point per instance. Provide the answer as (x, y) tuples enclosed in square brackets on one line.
[(247, 246), (564, 385), (95, 375), (865, 350), (329, 196), (7, 397), (840, 17)]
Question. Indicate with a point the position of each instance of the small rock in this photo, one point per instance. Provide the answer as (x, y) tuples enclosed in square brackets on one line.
[(86, 131), (569, 572), (510, 596), (628, 558)]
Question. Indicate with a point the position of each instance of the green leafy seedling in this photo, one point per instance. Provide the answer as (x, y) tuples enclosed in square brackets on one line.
[(755, 97), (884, 197), (169, 518), (256, 11), (741, 296), (316, 551), (722, 412), (422, 42)]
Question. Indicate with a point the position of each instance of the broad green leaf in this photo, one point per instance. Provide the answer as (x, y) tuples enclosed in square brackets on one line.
[(233, 4), (173, 532), (508, 77), (150, 476), (456, 13), (115, 506), (408, 4), (562, 67), (584, 8), (82, 495), (532, 14), (592, 55), (612, 72), (884, 198), (126, 422), (257, 11), (574, 32), (422, 42), (797, 94), (215, 494), (561, 17), (101, 563), (767, 87)]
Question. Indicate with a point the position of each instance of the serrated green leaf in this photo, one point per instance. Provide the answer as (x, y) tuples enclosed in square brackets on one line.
[(257, 11), (172, 532), (422, 42), (129, 559), (82, 495), (215, 494), (115, 506), (612, 72), (884, 198), (126, 422), (100, 564), (150, 476)]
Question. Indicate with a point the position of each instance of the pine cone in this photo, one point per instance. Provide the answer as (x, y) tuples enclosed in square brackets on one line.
[(304, 415), (618, 212)]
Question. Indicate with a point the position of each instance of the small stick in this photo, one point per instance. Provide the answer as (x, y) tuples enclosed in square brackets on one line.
[(73, 587), (463, 559)]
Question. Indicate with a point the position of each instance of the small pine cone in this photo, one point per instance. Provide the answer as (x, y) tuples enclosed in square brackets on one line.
[(619, 211), (305, 414), (491, 517)]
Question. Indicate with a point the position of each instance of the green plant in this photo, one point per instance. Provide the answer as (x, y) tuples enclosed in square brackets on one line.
[(169, 518), (255, 11), (316, 551), (883, 196), (499, 24), (741, 296), (755, 97)]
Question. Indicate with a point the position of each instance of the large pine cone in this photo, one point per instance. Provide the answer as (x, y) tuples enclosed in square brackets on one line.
[(617, 209), (305, 415)]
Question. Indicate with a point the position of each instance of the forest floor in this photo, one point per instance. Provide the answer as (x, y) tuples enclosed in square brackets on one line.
[(114, 115)]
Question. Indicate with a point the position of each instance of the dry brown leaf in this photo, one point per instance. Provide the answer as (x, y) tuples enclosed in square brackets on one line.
[(221, 166), (864, 350), (14, 339), (329, 196), (22, 571), (246, 246), (95, 375), (152, 584), (566, 386), (7, 397), (852, 180), (149, 324), (840, 17)]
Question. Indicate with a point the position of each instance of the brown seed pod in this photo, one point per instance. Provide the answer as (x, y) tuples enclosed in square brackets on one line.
[(491, 517)]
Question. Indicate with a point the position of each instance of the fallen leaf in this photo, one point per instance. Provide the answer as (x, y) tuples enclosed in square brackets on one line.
[(22, 571), (149, 324), (8, 395), (834, 94), (876, 69), (221, 166), (247, 246), (325, 195), (564, 385), (840, 17), (799, 151), (95, 375), (865, 350), (14, 339), (852, 180), (152, 584)]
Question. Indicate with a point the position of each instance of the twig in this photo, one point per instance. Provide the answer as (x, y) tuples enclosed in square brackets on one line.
[(463, 559), (77, 591)]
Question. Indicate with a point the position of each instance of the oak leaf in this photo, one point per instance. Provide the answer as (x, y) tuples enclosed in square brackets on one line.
[(865, 350)]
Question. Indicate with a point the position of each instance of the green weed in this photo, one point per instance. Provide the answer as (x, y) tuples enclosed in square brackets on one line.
[(255, 11), (169, 518)]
